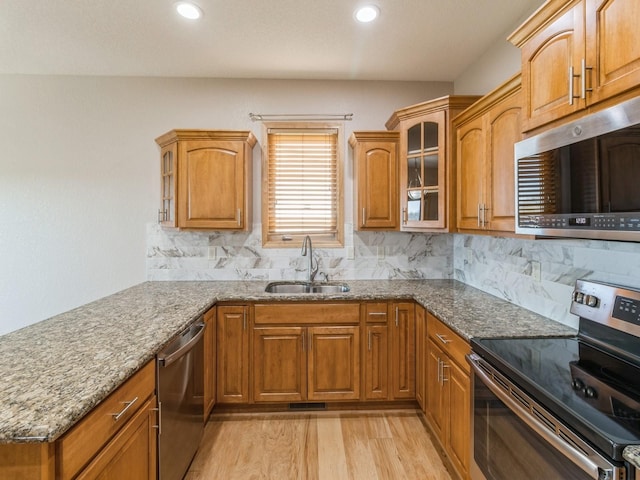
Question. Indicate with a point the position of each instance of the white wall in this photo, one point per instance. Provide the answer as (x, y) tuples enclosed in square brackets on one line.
[(79, 175), (496, 65)]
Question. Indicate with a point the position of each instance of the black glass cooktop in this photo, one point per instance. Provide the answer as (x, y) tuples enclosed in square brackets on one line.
[(594, 393)]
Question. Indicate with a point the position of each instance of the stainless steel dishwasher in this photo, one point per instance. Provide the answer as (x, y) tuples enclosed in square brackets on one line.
[(181, 401)]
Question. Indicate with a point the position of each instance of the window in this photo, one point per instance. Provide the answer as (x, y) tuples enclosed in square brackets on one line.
[(302, 185)]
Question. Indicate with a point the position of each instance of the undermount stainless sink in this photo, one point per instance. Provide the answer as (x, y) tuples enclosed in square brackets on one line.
[(305, 287)]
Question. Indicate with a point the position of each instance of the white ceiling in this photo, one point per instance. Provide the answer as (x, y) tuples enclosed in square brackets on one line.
[(423, 40)]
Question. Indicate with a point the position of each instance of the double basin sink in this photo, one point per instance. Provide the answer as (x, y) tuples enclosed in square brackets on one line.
[(306, 287)]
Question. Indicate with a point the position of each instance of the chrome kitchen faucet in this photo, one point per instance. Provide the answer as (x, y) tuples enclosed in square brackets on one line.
[(307, 249)]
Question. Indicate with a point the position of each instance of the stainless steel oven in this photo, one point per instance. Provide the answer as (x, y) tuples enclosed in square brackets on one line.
[(561, 408)]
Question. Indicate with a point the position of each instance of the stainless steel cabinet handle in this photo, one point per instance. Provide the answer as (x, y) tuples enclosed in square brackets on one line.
[(396, 316), (439, 372), (442, 338), (364, 221), (369, 340), (479, 208), (570, 85), (404, 216), (239, 217), (444, 379), (158, 418), (572, 77), (584, 79), (127, 406)]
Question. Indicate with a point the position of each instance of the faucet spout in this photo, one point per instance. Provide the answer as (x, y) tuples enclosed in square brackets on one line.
[(307, 250)]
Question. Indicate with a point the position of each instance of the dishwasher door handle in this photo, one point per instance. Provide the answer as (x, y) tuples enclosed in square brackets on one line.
[(166, 360)]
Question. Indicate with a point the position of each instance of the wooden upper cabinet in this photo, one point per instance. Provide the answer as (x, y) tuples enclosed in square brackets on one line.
[(486, 134), (427, 170), (613, 46), (206, 179), (375, 156), (576, 54)]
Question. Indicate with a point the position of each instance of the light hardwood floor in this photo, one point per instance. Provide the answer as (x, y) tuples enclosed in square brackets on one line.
[(383, 445)]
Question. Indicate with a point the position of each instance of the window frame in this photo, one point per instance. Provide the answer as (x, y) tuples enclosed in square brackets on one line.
[(295, 240)]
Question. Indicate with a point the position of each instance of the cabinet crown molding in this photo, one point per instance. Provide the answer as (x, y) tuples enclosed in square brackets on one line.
[(538, 19), (509, 87), (219, 135), (443, 103)]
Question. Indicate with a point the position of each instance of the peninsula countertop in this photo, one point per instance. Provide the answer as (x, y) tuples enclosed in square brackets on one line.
[(55, 371)]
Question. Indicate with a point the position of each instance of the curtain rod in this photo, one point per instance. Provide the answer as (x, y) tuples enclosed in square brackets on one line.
[(257, 117)]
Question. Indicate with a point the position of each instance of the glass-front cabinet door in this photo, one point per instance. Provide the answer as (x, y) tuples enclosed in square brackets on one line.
[(425, 173)]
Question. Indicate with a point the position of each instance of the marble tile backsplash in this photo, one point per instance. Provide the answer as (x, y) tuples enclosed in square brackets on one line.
[(182, 255), (503, 267)]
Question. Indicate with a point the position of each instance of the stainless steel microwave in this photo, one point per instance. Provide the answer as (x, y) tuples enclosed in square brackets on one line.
[(582, 179)]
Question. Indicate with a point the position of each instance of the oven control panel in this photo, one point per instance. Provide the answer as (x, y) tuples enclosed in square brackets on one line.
[(627, 309), (611, 305)]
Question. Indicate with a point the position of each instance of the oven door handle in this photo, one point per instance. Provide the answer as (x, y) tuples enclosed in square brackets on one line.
[(597, 468)]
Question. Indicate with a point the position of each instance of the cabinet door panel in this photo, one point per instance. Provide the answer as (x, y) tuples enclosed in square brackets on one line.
[(131, 454), (209, 362), (504, 126), (334, 363), (233, 355), (279, 364), (546, 59), (459, 418), (376, 383), (613, 46), (421, 356), (212, 184), (376, 180), (434, 395), (404, 351), (471, 158)]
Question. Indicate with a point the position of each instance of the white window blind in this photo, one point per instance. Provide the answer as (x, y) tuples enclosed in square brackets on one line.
[(302, 191)]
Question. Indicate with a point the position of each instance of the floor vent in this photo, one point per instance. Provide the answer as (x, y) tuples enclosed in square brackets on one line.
[(308, 406)]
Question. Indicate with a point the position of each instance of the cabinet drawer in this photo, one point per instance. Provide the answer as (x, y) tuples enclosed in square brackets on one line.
[(376, 312), (86, 439), (450, 342), (307, 313)]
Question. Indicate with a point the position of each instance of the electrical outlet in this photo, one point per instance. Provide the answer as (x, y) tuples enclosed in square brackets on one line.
[(213, 253), (469, 256), (351, 254), (536, 271), (380, 253)]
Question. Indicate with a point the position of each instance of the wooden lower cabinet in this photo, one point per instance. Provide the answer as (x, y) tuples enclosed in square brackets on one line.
[(209, 362), (232, 349), (375, 351), (421, 357), (403, 351), (279, 364), (334, 363), (376, 363), (131, 454), (448, 393), (295, 364)]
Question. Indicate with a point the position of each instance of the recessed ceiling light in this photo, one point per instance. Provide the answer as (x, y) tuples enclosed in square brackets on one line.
[(189, 10), (367, 13)]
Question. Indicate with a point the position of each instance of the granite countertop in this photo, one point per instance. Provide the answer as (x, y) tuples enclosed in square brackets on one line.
[(632, 455), (57, 370)]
